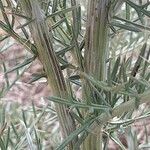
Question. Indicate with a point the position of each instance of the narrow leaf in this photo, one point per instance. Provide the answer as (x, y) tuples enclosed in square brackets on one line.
[(62, 11), (26, 62), (125, 26), (36, 77), (77, 104)]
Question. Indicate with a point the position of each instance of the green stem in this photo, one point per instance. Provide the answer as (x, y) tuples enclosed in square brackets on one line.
[(42, 39), (95, 57)]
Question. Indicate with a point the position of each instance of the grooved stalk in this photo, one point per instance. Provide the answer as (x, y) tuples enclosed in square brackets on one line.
[(95, 57), (42, 39)]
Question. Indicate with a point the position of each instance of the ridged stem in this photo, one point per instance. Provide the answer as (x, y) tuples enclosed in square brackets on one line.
[(42, 40), (95, 57)]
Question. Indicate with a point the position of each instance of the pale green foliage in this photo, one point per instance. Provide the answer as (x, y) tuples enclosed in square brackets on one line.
[(124, 86)]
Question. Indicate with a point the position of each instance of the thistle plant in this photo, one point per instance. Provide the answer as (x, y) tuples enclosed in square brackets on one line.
[(89, 48)]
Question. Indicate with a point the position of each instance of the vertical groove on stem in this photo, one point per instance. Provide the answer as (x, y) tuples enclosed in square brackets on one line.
[(95, 57), (42, 39)]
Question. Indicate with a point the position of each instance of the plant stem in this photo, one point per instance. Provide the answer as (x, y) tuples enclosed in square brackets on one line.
[(42, 39), (95, 57)]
